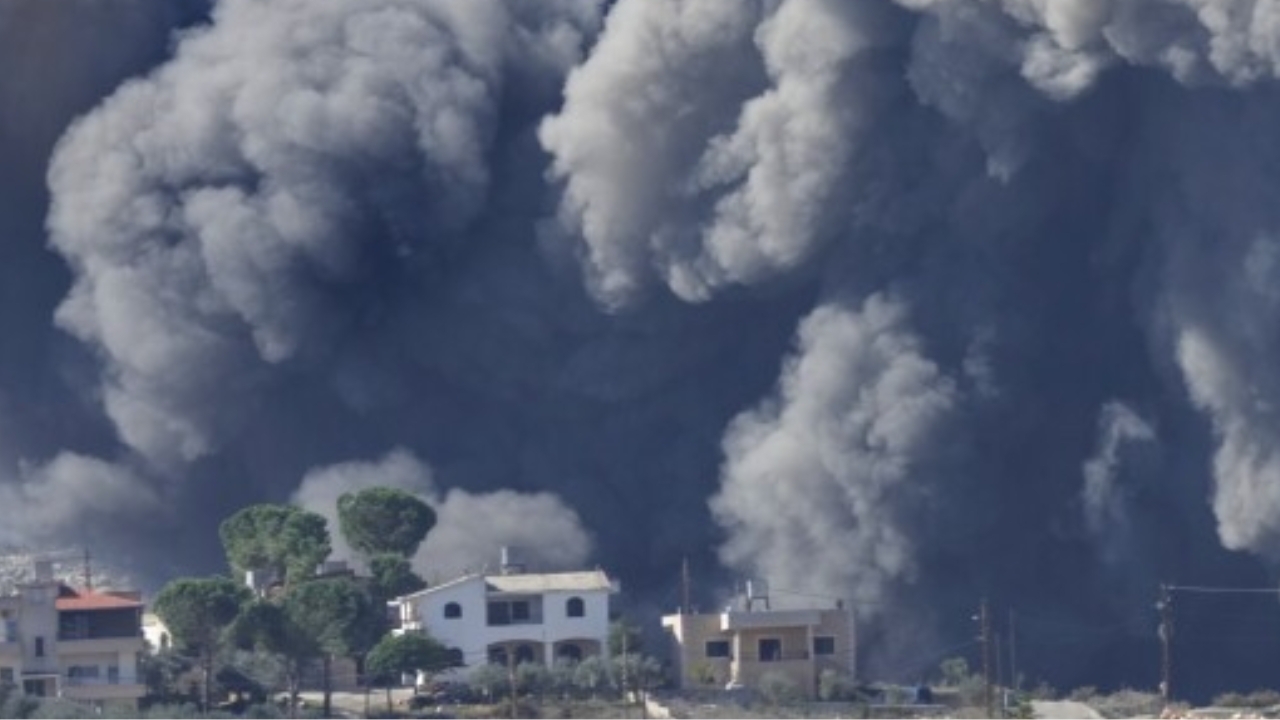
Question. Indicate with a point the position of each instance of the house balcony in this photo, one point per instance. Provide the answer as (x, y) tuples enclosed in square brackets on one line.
[(70, 648), (739, 620), (109, 688)]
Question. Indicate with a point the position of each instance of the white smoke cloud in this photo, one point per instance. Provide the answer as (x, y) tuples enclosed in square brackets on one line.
[(470, 529), (1107, 502), (215, 212), (819, 482), (473, 528), (72, 497), (1065, 46)]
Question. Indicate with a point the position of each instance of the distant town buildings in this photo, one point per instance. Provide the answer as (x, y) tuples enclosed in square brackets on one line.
[(56, 641), (741, 645), (514, 616)]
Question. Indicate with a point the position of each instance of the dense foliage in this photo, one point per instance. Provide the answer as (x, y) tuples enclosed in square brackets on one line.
[(381, 520)]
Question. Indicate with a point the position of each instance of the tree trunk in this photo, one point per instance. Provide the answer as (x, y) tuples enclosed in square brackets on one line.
[(390, 709), (294, 681), (328, 685), (206, 669)]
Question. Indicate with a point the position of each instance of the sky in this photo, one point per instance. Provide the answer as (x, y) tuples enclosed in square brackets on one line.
[(901, 302)]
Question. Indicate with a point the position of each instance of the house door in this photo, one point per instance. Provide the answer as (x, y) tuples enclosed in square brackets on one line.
[(34, 688), (770, 649)]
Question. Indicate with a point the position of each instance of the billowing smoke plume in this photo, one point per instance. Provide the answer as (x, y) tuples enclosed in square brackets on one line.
[(737, 127), (822, 483), (839, 292), (1108, 500), (221, 214), (471, 529)]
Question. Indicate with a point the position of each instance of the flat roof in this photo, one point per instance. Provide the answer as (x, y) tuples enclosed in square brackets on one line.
[(591, 580)]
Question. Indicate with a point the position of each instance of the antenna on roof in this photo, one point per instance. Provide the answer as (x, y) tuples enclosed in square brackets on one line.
[(684, 587), (88, 569)]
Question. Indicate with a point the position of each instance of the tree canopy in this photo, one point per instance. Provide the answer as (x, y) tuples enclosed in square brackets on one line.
[(399, 654), (196, 610), (284, 539), (392, 576), (336, 613), (384, 520)]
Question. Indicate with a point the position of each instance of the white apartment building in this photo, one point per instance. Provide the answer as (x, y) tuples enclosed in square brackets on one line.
[(56, 641), (514, 617)]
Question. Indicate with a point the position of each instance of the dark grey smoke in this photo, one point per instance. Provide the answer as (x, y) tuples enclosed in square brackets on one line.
[(906, 303)]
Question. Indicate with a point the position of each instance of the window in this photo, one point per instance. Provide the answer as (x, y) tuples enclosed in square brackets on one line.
[(524, 654), (824, 646), (514, 612), (499, 613), (717, 648), (455, 657), (452, 610), (770, 649), (6, 676), (40, 647), (520, 611), (574, 607)]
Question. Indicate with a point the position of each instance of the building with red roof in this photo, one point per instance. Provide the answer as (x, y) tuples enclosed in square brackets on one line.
[(78, 644)]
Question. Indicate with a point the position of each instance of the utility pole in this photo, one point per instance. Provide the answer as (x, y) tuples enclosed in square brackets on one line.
[(1013, 653), (984, 636), (684, 587), (623, 661), (999, 645), (1165, 606), (511, 680)]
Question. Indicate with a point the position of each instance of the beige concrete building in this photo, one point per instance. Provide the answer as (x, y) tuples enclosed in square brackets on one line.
[(738, 647), (56, 641)]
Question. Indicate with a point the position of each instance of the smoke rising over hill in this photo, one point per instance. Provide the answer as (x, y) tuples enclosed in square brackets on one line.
[(904, 302)]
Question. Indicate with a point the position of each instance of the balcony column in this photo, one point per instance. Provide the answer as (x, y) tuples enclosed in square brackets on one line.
[(735, 667), (813, 660)]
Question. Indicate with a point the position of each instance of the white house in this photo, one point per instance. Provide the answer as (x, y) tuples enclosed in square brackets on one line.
[(514, 617)]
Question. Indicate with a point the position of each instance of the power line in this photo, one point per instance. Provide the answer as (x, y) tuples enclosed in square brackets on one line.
[(1222, 590)]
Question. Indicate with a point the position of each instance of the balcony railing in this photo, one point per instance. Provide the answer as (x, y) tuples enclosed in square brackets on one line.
[(101, 681), (783, 656)]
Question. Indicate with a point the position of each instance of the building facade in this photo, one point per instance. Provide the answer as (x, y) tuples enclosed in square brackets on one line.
[(739, 647), (514, 617), (56, 641)]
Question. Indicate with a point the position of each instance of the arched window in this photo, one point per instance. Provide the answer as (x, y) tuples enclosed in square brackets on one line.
[(569, 653), (524, 654), (574, 607), (452, 610)]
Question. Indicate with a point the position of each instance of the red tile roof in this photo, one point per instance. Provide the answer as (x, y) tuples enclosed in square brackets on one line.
[(71, 599)]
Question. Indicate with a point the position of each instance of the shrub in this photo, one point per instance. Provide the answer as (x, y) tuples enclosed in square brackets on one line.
[(778, 689)]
